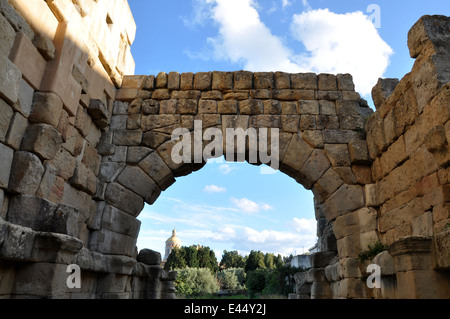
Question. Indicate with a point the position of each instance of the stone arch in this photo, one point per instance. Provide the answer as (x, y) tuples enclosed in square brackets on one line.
[(322, 144), (82, 147)]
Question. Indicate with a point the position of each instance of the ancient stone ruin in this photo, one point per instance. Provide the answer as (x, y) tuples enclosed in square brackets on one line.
[(83, 145)]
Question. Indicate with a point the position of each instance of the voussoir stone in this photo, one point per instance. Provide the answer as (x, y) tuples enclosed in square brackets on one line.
[(115, 220), (298, 151), (157, 169), (346, 199), (135, 179), (124, 199)]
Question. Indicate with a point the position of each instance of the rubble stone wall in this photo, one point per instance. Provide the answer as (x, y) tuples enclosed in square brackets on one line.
[(84, 144)]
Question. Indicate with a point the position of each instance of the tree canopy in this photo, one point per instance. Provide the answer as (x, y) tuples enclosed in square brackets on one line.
[(193, 257), (232, 259)]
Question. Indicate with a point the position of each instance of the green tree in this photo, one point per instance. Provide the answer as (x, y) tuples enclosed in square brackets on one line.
[(207, 259), (176, 259), (191, 256), (232, 259), (256, 282), (255, 261), (280, 281), (278, 261), (269, 261)]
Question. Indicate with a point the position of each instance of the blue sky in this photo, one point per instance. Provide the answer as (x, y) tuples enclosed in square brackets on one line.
[(231, 205)]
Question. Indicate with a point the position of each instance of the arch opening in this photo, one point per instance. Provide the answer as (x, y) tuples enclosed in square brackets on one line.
[(232, 206)]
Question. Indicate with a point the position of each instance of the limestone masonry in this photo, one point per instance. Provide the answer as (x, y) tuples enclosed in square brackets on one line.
[(84, 144)]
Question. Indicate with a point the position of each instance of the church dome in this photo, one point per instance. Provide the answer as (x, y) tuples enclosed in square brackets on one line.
[(171, 243), (173, 239)]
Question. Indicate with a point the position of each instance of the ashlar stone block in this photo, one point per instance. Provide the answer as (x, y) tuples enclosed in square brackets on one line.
[(33, 212), (7, 36), (26, 173), (5, 118), (16, 241), (11, 75), (346, 199), (46, 108), (43, 140), (115, 220)]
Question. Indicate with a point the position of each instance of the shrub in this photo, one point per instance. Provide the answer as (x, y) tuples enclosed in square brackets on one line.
[(372, 251), (231, 279), (195, 282)]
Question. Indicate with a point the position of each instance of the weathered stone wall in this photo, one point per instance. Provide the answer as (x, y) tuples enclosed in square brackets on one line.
[(82, 147), (407, 205), (408, 139), (60, 64)]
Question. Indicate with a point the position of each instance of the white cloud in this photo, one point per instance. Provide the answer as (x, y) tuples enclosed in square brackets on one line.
[(245, 239), (304, 226), (334, 43), (248, 206), (226, 168), (342, 43), (214, 189), (244, 38), (222, 227), (200, 14)]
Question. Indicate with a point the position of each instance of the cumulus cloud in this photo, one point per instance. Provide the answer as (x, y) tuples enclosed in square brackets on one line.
[(248, 206), (341, 43), (304, 226), (214, 189), (333, 43), (244, 38)]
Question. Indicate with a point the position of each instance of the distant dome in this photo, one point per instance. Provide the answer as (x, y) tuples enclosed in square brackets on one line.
[(171, 243), (173, 239)]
